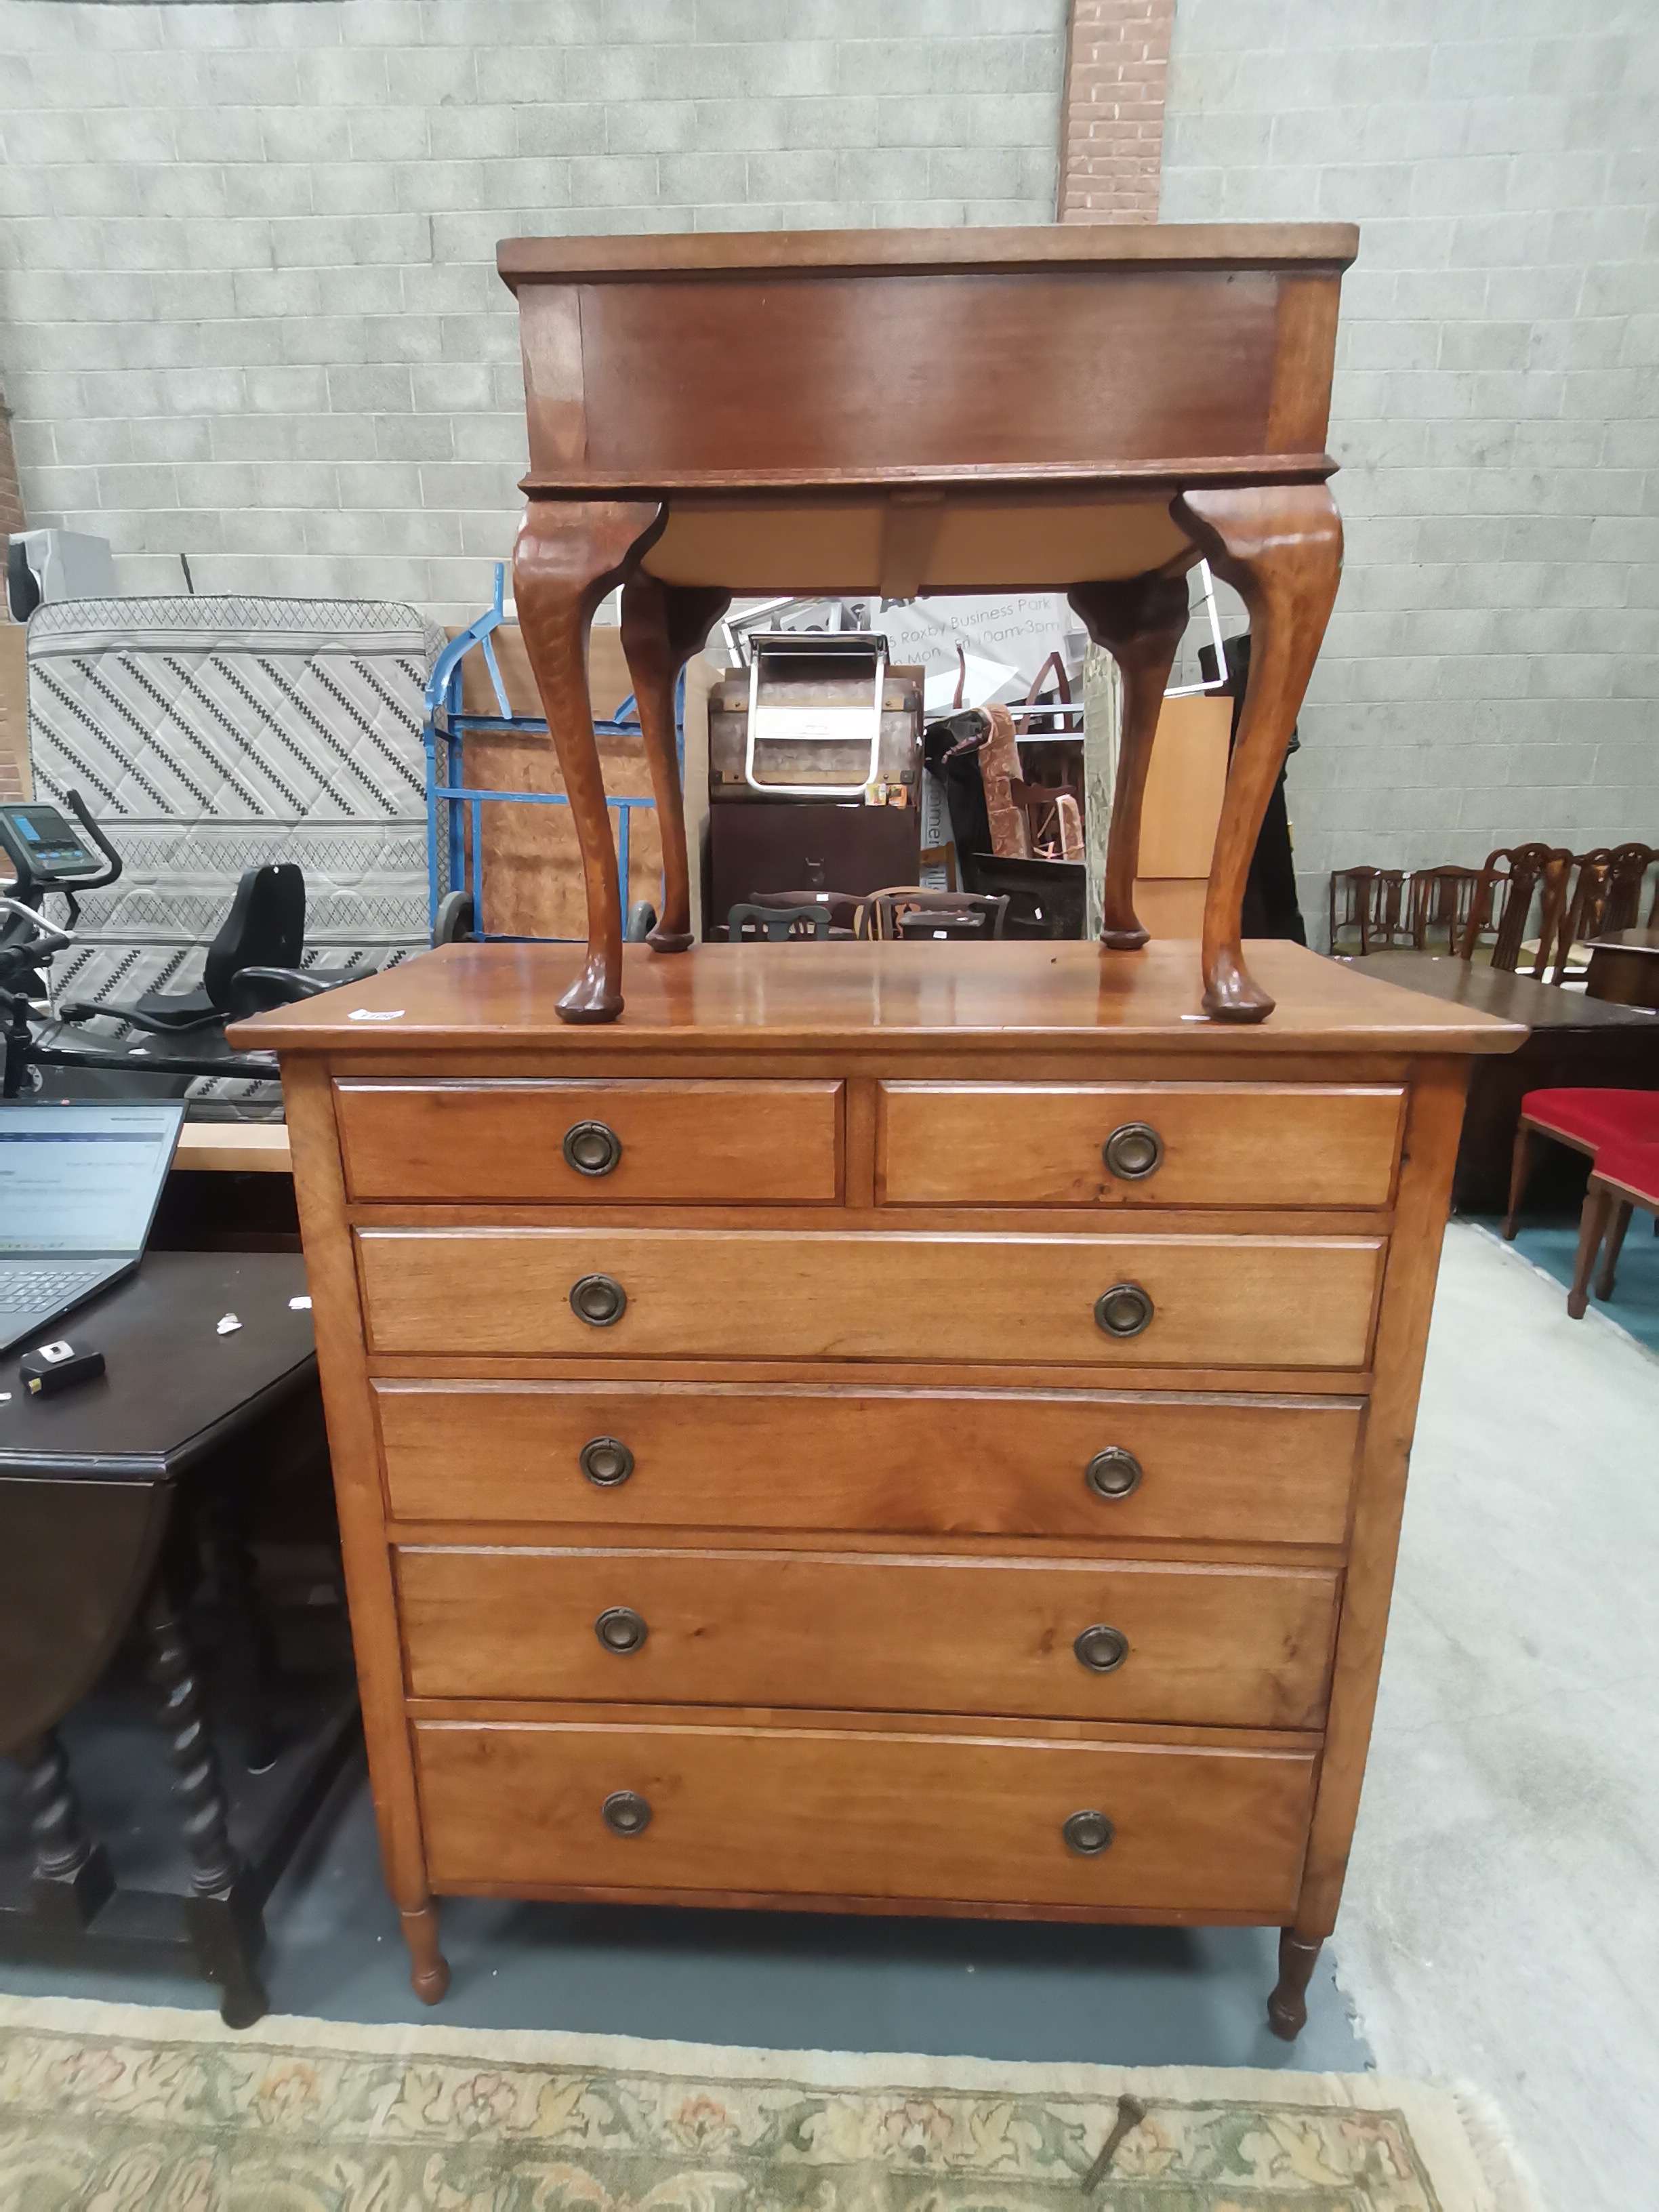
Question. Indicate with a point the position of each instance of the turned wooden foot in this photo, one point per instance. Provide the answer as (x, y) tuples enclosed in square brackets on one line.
[(1280, 547), (428, 1969), (1140, 621), (568, 555), (1287, 2008)]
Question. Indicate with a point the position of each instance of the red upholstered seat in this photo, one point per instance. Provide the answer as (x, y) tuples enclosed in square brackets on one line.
[(1634, 1168), (1594, 1118)]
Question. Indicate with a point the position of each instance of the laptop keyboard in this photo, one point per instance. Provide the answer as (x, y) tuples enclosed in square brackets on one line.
[(26, 1290)]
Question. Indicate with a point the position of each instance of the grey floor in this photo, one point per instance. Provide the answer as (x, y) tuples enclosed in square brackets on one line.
[(1501, 1919)]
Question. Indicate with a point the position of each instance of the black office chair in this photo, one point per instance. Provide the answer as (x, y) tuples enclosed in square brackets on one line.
[(251, 964)]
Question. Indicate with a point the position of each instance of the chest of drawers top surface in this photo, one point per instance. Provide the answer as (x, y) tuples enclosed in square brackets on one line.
[(998, 1004)]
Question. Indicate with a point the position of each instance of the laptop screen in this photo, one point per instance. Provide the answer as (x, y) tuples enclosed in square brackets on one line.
[(83, 1178)]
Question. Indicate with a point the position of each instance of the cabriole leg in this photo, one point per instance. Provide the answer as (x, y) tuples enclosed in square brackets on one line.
[(569, 553), (1140, 621), (428, 1969), (1280, 547), (1287, 2008), (662, 626)]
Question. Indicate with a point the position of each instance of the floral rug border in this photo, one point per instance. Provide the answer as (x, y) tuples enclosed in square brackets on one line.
[(352, 2113)]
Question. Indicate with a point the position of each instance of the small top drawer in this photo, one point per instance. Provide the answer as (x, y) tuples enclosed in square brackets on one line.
[(1137, 1144), (587, 1144)]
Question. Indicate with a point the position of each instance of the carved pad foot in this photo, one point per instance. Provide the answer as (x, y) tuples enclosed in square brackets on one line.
[(1124, 940), (671, 940)]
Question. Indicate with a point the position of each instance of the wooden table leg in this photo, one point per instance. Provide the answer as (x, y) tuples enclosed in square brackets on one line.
[(568, 555), (1280, 547), (226, 1928), (71, 1874), (662, 626), (1141, 622)]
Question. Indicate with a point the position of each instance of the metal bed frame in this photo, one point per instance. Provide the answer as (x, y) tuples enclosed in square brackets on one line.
[(453, 806)]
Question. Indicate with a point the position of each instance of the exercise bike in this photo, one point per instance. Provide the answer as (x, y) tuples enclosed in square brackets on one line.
[(52, 855)]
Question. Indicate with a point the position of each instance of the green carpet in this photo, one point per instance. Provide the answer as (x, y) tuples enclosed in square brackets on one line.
[(108, 2108)]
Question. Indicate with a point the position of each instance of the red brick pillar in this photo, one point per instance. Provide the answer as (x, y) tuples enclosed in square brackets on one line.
[(1111, 146)]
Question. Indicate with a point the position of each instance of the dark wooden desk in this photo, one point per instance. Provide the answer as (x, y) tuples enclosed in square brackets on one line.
[(1085, 409), (1624, 968), (1575, 1042), (88, 1485)]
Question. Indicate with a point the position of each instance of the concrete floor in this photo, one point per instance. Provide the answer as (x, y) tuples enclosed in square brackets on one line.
[(1501, 1921)]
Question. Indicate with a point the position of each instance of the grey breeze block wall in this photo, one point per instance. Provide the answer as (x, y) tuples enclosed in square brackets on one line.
[(1491, 669), (248, 303)]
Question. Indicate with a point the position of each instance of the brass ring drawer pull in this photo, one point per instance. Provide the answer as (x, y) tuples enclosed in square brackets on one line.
[(591, 1148), (620, 1629), (600, 1300), (1124, 1310), (1103, 1651), (605, 1460), (1110, 1474), (627, 1813), (1134, 1152), (1088, 1834)]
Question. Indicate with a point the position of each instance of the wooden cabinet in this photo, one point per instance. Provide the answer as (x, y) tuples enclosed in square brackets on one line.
[(863, 1475)]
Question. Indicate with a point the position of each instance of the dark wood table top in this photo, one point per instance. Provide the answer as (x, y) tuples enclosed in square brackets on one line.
[(173, 1389), (1625, 940), (1491, 991)]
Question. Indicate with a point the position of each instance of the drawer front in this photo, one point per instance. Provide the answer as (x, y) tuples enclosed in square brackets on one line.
[(753, 1143), (1050, 1143), (1223, 1647), (822, 1813), (757, 1294), (730, 1455)]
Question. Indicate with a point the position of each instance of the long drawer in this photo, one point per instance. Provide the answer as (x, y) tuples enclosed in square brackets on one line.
[(1240, 1646), (731, 1809), (590, 1144), (993, 1462), (1136, 1145), (1178, 1301)]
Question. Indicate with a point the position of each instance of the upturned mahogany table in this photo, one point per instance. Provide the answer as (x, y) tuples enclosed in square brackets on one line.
[(1088, 408)]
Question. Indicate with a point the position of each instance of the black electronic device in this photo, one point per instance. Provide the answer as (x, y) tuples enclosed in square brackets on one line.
[(52, 1369), (49, 852)]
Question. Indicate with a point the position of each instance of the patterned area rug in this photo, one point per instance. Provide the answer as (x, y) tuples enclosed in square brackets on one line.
[(107, 2108)]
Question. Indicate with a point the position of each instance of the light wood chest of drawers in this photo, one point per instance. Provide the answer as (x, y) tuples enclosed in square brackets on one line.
[(884, 1428)]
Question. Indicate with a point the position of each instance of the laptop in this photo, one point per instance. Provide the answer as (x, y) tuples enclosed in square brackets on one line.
[(79, 1186)]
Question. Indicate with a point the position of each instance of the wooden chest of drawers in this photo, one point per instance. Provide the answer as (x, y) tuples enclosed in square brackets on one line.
[(884, 1428)]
